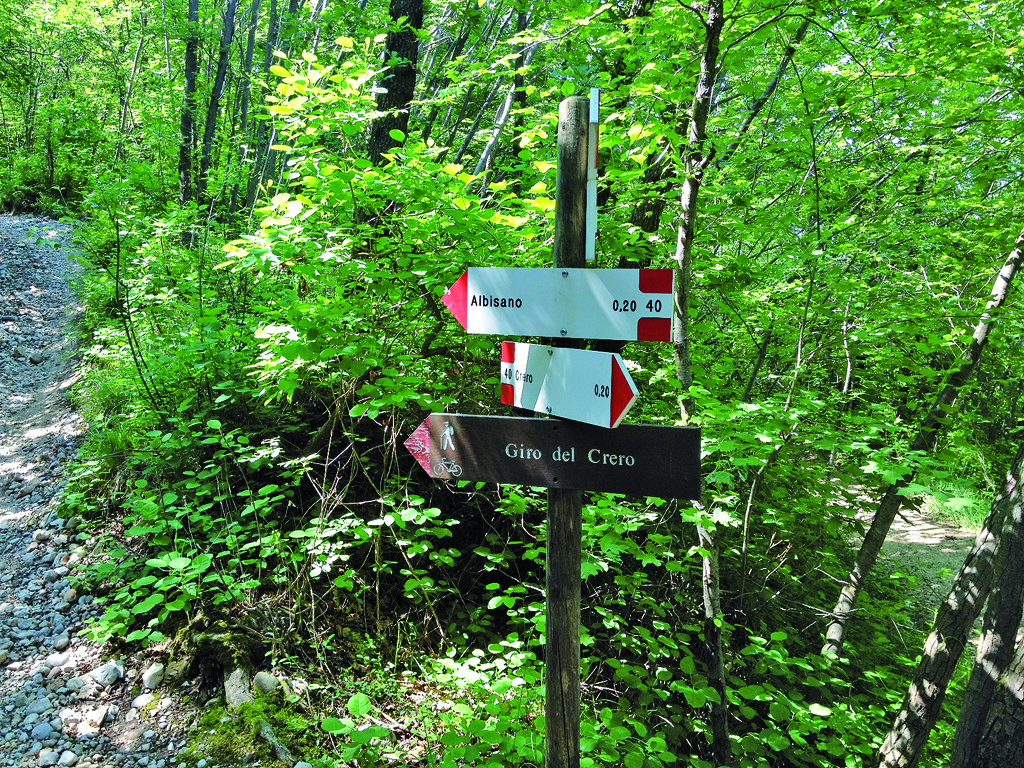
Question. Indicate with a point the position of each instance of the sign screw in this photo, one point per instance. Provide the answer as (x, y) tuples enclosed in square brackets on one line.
[(565, 273), (551, 351), (549, 409), (564, 332)]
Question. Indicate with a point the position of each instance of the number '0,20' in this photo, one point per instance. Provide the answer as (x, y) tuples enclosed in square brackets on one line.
[(623, 306), (602, 390)]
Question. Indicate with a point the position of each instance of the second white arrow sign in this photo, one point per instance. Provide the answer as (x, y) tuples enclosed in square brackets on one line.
[(576, 384)]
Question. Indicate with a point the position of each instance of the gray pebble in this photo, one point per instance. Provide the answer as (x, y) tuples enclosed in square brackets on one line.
[(40, 705)]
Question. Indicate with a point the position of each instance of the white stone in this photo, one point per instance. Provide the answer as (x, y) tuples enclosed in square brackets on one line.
[(143, 700), (236, 688), (153, 676), (67, 757), (86, 729), (57, 659), (70, 718), (48, 757), (108, 674), (96, 716), (92, 721)]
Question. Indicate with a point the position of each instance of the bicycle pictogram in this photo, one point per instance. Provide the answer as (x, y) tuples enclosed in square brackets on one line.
[(447, 466)]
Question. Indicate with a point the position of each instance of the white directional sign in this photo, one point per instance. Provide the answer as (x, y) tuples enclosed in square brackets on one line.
[(623, 304), (577, 384)]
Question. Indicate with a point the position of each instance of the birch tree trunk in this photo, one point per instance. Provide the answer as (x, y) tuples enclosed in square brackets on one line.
[(1001, 744), (526, 54), (925, 441), (954, 619), (998, 636), (697, 159)]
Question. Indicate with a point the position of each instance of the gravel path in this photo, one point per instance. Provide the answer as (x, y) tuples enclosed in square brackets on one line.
[(61, 703)]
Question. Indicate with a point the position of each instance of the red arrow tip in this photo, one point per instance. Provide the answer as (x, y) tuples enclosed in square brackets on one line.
[(624, 391), (456, 299), (418, 444)]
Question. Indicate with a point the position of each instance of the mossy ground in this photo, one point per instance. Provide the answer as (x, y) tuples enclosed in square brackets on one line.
[(230, 738)]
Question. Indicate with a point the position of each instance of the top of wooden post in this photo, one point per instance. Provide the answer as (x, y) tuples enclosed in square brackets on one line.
[(571, 184)]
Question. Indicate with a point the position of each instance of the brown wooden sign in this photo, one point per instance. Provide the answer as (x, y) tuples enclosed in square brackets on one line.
[(636, 459)]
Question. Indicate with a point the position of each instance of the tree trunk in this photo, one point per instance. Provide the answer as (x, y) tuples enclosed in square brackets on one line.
[(1002, 744), (953, 622), (401, 51), (525, 57), (265, 157), (721, 749), (126, 102), (245, 87), (760, 101), (697, 160), (647, 214), (998, 635), (187, 133), (925, 441), (213, 107)]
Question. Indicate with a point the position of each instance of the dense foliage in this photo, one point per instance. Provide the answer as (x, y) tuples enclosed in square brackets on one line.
[(266, 248)]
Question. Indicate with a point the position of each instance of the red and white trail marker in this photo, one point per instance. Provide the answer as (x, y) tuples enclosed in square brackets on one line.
[(577, 384), (622, 304)]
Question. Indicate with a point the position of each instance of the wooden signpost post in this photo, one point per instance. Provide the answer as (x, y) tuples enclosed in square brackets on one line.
[(593, 451)]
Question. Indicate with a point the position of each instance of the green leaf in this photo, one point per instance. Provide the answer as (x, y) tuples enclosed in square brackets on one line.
[(776, 739), (359, 705), (657, 744), (334, 725), (149, 603), (396, 134), (694, 698), (751, 692)]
